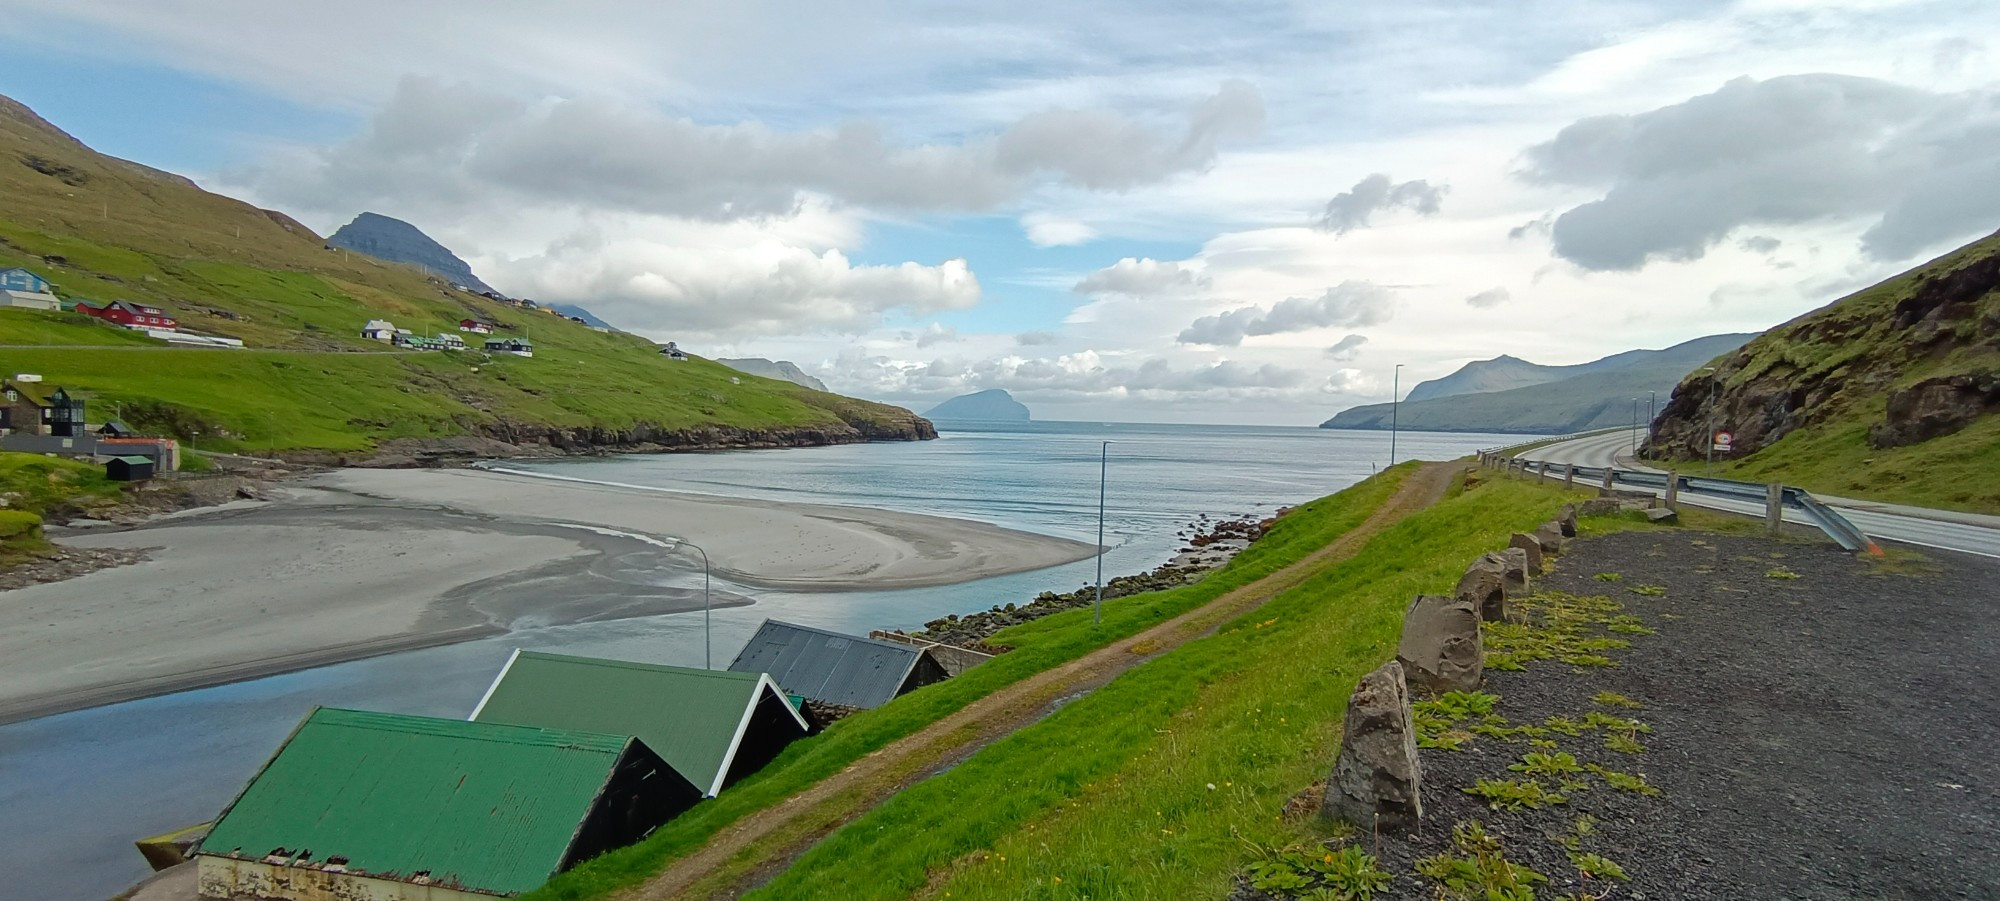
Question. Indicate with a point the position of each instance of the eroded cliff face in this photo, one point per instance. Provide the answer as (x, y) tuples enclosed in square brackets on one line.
[(1911, 359)]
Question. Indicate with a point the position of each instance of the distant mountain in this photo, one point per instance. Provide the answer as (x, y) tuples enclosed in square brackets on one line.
[(1590, 395), (991, 405), (400, 242), (1504, 372), (784, 370), (570, 309)]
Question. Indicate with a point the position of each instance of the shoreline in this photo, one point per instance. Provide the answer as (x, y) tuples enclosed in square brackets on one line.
[(350, 564)]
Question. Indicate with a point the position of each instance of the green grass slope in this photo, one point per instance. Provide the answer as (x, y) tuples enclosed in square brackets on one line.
[(1888, 393), (105, 229)]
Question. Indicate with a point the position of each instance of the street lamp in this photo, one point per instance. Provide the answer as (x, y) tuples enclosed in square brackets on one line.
[(1635, 431), (1395, 401), (707, 635), (1103, 468)]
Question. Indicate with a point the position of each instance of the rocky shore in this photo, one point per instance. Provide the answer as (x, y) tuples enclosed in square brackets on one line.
[(1209, 546)]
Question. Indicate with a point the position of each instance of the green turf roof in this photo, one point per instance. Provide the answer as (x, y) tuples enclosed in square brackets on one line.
[(690, 717), (484, 806)]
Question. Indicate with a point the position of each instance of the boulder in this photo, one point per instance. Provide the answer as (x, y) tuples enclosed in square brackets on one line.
[(1518, 576), (1532, 547), (1551, 536), (1567, 519), (1484, 586), (1663, 516), (1440, 648), (1377, 783), (1598, 506)]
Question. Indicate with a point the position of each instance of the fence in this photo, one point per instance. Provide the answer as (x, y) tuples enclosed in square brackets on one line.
[(1775, 498)]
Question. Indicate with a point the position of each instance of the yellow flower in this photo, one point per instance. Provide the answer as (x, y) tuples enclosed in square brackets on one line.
[(1059, 879)]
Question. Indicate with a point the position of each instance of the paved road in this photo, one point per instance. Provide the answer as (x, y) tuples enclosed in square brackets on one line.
[(1948, 529)]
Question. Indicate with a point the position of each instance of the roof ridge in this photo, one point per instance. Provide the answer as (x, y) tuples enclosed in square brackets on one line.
[(847, 635), (730, 675), (470, 730)]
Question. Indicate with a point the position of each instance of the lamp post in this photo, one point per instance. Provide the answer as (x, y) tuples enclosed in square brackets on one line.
[(1652, 413), (1635, 430), (1395, 402), (707, 634), (1103, 468)]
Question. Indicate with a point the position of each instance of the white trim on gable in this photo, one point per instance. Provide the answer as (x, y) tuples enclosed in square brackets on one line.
[(490, 689)]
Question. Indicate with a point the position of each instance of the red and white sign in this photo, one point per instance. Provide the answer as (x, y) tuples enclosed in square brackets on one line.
[(1723, 440)]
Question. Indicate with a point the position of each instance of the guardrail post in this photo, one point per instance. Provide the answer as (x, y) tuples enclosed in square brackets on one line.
[(1569, 476), (1604, 490), (1541, 473), (1674, 491), (1774, 506)]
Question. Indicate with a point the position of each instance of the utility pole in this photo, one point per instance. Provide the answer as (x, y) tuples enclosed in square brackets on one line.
[(1395, 409), (1635, 429), (1103, 468)]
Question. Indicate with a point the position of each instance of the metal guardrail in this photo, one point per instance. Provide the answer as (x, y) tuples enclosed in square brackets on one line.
[(1836, 526)]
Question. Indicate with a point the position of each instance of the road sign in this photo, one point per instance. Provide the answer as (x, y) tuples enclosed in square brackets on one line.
[(1723, 440)]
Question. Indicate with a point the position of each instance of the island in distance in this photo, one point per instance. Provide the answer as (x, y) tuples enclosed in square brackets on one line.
[(991, 405)]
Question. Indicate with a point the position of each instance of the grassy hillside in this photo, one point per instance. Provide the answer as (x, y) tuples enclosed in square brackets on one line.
[(1888, 393), (103, 229), (1572, 405)]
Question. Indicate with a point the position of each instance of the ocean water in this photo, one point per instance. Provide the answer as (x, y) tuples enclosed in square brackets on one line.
[(76, 789)]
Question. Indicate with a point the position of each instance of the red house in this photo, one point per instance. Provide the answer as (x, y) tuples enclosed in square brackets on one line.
[(474, 326), (131, 315)]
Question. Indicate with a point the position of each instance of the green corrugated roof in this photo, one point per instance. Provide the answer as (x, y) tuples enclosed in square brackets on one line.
[(133, 459), (687, 716), (491, 807)]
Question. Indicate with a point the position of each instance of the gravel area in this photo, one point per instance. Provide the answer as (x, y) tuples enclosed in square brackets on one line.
[(1822, 727)]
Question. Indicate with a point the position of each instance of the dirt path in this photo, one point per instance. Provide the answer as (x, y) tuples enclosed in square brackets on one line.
[(770, 839)]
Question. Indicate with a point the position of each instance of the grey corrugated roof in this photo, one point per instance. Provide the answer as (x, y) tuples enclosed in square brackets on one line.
[(827, 666)]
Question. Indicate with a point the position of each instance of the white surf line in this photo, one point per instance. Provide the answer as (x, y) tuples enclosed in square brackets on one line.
[(672, 544), (556, 478)]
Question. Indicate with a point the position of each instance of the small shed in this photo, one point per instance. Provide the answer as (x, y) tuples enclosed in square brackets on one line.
[(129, 469), (713, 726), (833, 668), (379, 805)]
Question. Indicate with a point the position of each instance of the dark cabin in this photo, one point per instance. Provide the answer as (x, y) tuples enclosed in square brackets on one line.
[(128, 469)]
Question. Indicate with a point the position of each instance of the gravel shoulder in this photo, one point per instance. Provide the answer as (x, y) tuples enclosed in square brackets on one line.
[(1821, 727)]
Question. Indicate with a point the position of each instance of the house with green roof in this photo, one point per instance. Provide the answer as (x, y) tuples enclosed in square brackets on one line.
[(714, 726), (389, 807)]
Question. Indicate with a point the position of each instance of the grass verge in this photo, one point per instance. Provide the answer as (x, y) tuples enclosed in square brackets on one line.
[(1038, 645)]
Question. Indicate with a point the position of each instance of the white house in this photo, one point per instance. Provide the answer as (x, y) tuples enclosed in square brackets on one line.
[(450, 341), (378, 330), (21, 288)]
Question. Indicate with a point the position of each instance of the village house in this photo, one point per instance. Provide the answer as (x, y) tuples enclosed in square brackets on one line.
[(712, 726), (475, 327), (21, 288), (403, 338), (390, 807), (517, 346), (137, 316), (32, 409), (379, 330), (449, 341), (673, 352)]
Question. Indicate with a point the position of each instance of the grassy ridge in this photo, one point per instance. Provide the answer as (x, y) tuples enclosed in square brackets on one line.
[(1038, 645), (103, 229), (1144, 788)]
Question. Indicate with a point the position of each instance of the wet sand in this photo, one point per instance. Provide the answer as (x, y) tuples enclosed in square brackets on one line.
[(357, 563)]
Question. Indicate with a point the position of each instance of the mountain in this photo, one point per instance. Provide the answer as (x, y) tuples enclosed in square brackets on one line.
[(400, 242), (1503, 372), (783, 370), (1890, 392), (570, 309), (991, 405), (1585, 396), (100, 228)]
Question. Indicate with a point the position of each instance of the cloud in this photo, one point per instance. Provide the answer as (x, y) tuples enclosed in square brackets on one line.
[(763, 288), (936, 333), (1083, 374), (1346, 349), (1143, 278), (1352, 304), (455, 146), (1491, 297), (1537, 227), (1032, 339), (1348, 381), (1924, 166), (1044, 230), (1760, 244), (1351, 209)]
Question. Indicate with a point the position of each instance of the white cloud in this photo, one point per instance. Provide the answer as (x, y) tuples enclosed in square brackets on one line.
[(1491, 297), (1143, 278), (1353, 208), (1044, 230), (1346, 349), (1351, 304), (1035, 338), (936, 333)]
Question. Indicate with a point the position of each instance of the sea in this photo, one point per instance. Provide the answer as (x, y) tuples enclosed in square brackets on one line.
[(76, 789)]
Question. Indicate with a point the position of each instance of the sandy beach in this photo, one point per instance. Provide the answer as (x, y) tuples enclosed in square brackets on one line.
[(357, 563)]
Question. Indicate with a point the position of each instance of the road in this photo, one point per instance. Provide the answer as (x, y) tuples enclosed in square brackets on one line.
[(1970, 533)]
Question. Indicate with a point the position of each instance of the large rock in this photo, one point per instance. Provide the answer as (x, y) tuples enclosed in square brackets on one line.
[(1518, 577), (1663, 516), (1440, 648), (1484, 586), (1377, 783), (1530, 546), (1567, 519), (1598, 506), (1550, 534)]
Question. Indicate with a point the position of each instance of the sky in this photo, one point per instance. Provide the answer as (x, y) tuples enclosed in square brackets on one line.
[(1118, 211)]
